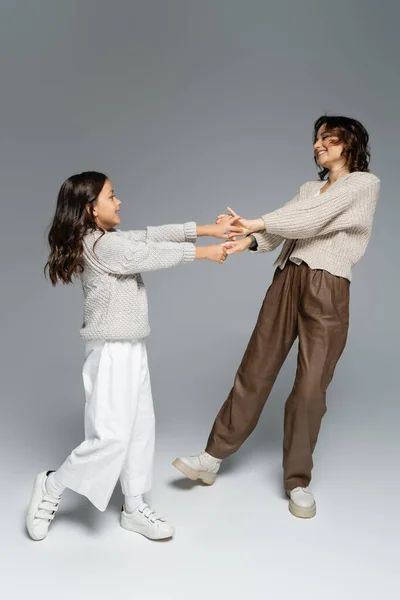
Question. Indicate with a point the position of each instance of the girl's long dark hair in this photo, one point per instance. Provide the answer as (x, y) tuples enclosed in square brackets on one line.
[(354, 137), (72, 220)]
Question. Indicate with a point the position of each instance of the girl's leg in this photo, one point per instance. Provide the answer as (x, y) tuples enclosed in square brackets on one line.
[(111, 376), (137, 471), (323, 325), (269, 345)]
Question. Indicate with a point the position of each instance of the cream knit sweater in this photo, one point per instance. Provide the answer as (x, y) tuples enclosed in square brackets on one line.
[(115, 296), (328, 231)]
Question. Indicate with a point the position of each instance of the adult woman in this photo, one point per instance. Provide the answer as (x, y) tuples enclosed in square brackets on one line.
[(325, 229)]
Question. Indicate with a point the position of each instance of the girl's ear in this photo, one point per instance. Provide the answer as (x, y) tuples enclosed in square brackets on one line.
[(89, 212)]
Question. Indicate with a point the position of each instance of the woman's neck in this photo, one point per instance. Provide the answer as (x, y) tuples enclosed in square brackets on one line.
[(337, 172)]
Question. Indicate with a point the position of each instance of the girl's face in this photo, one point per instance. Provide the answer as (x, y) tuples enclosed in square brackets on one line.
[(328, 151), (106, 208)]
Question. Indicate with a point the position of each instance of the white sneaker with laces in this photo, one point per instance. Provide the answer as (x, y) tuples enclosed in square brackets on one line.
[(301, 502), (203, 466), (42, 508), (147, 522)]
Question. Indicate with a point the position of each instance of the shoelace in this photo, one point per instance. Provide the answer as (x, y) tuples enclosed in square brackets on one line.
[(150, 514), (47, 508)]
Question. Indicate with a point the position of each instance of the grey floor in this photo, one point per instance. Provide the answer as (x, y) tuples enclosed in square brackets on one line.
[(233, 539)]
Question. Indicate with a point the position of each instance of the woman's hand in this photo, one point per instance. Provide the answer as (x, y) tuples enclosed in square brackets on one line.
[(242, 226), (223, 229), (237, 246)]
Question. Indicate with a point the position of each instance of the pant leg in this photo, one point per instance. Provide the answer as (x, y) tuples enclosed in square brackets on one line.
[(137, 472), (269, 345), (323, 325), (111, 376)]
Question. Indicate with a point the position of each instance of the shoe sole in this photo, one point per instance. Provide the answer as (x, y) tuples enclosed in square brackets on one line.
[(301, 512), (204, 476), (125, 524)]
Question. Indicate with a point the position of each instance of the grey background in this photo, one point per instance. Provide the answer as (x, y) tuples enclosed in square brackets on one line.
[(190, 106)]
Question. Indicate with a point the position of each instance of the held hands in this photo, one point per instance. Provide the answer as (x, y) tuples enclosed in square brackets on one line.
[(239, 225), (224, 227), (227, 227), (234, 247), (216, 253)]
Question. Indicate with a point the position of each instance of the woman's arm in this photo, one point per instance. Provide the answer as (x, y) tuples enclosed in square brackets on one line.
[(324, 213), (265, 242)]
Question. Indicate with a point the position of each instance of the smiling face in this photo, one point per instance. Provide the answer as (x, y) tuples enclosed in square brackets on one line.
[(106, 208), (328, 150)]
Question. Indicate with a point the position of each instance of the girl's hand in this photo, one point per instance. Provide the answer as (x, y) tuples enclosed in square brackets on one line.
[(242, 226), (237, 246), (224, 229), (216, 253)]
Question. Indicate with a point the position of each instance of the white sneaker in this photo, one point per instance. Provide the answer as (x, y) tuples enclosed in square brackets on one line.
[(203, 466), (301, 502), (144, 520), (42, 508)]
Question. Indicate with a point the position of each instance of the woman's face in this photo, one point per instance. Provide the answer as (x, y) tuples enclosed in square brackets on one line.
[(106, 208), (328, 150)]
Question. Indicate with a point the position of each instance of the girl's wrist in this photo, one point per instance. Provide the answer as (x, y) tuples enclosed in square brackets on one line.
[(202, 252), (204, 230)]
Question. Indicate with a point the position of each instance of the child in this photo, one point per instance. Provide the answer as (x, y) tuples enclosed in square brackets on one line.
[(119, 416)]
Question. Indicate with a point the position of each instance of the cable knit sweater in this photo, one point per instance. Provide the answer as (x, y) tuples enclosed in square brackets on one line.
[(327, 231), (115, 296)]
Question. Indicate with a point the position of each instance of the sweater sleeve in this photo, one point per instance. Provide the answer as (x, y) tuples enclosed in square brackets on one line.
[(336, 209), (119, 255), (267, 242), (164, 233)]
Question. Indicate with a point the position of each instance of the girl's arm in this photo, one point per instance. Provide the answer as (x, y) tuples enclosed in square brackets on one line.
[(164, 233), (116, 254), (188, 232)]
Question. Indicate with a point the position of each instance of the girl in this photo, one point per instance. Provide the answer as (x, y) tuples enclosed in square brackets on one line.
[(325, 230), (119, 417)]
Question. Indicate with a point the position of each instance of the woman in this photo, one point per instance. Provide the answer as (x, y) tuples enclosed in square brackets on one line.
[(325, 229)]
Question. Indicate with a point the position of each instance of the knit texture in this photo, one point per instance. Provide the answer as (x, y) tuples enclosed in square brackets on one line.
[(116, 305), (327, 231)]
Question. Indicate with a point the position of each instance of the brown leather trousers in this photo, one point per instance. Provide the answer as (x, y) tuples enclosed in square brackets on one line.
[(313, 305)]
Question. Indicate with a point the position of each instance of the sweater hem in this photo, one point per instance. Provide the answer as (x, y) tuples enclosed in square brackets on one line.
[(88, 336), (323, 262)]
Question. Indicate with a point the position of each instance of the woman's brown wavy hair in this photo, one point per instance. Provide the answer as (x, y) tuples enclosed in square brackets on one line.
[(354, 137), (72, 220)]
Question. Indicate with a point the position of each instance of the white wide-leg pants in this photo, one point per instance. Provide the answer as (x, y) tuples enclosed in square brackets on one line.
[(119, 424)]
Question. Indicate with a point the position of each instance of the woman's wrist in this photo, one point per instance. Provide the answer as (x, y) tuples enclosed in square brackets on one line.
[(247, 241), (257, 225)]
